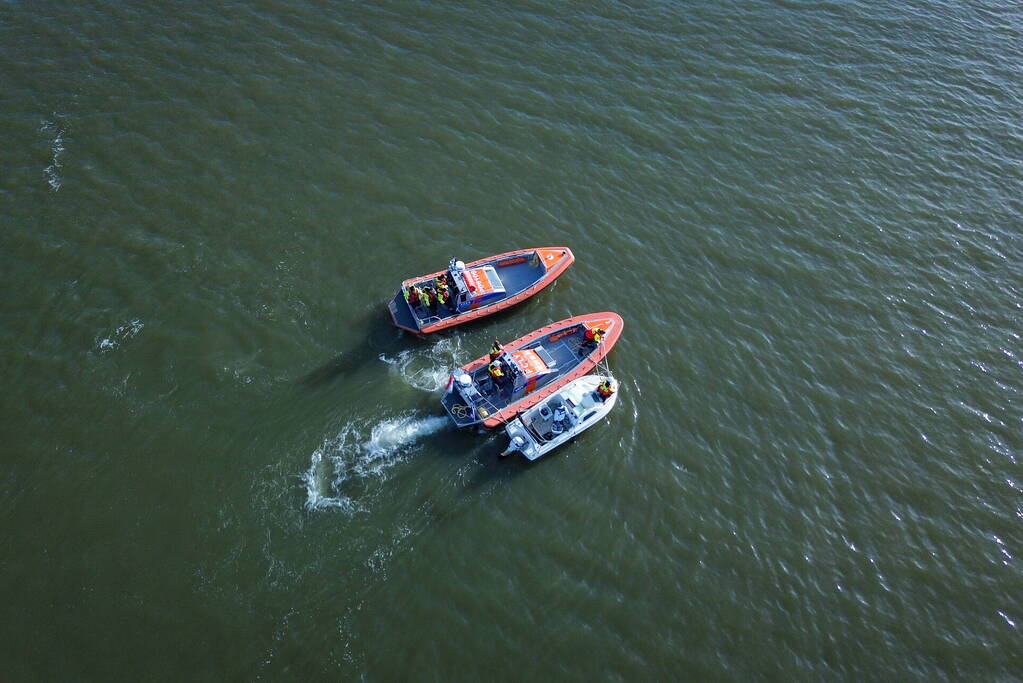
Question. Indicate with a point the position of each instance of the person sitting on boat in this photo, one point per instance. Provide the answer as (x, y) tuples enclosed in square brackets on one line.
[(441, 287), (593, 335), (560, 420), (428, 299), (496, 350), (414, 296), (440, 296), (604, 390)]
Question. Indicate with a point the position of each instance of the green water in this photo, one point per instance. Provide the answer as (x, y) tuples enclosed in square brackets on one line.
[(222, 463)]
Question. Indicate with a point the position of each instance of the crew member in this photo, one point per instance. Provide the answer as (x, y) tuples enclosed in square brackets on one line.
[(560, 420), (593, 335), (412, 295), (429, 300), (441, 297), (604, 390), (560, 414), (496, 370), (441, 286), (496, 350)]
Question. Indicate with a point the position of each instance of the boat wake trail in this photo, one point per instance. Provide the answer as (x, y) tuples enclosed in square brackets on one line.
[(52, 172), (426, 369), (342, 468)]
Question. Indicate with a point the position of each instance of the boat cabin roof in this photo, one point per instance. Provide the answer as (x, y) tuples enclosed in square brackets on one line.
[(479, 282), (529, 363)]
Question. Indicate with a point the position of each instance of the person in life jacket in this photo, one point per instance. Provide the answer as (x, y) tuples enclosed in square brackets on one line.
[(496, 350), (593, 335), (496, 370), (604, 390), (428, 299), (440, 286), (441, 295), (412, 296)]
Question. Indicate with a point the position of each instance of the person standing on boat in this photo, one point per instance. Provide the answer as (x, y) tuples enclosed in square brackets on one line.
[(604, 390), (593, 335), (496, 350)]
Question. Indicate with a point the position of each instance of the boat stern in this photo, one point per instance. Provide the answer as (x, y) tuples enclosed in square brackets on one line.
[(401, 314), (519, 439), (462, 402)]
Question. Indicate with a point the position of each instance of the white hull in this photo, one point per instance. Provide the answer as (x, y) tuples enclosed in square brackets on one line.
[(561, 417)]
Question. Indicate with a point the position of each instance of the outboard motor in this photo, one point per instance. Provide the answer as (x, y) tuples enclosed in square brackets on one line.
[(466, 388), (515, 444)]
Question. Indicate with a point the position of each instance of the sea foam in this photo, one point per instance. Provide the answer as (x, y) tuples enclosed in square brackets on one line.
[(362, 451)]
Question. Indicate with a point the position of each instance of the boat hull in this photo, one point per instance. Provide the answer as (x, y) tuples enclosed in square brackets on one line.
[(563, 341), (523, 273), (538, 431)]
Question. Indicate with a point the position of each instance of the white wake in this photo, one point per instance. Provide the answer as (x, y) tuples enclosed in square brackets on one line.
[(426, 369), (361, 452), (52, 172)]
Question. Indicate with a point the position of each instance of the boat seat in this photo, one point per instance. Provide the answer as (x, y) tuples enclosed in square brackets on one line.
[(545, 412)]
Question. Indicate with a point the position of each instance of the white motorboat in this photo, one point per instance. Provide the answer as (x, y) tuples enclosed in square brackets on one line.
[(574, 408)]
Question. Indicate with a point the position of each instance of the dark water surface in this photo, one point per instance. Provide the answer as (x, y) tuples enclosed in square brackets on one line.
[(220, 462)]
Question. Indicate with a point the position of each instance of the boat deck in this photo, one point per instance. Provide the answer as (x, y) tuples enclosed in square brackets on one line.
[(515, 277), (568, 352)]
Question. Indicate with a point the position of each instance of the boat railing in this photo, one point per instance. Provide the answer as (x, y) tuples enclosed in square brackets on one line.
[(490, 406), (462, 413)]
